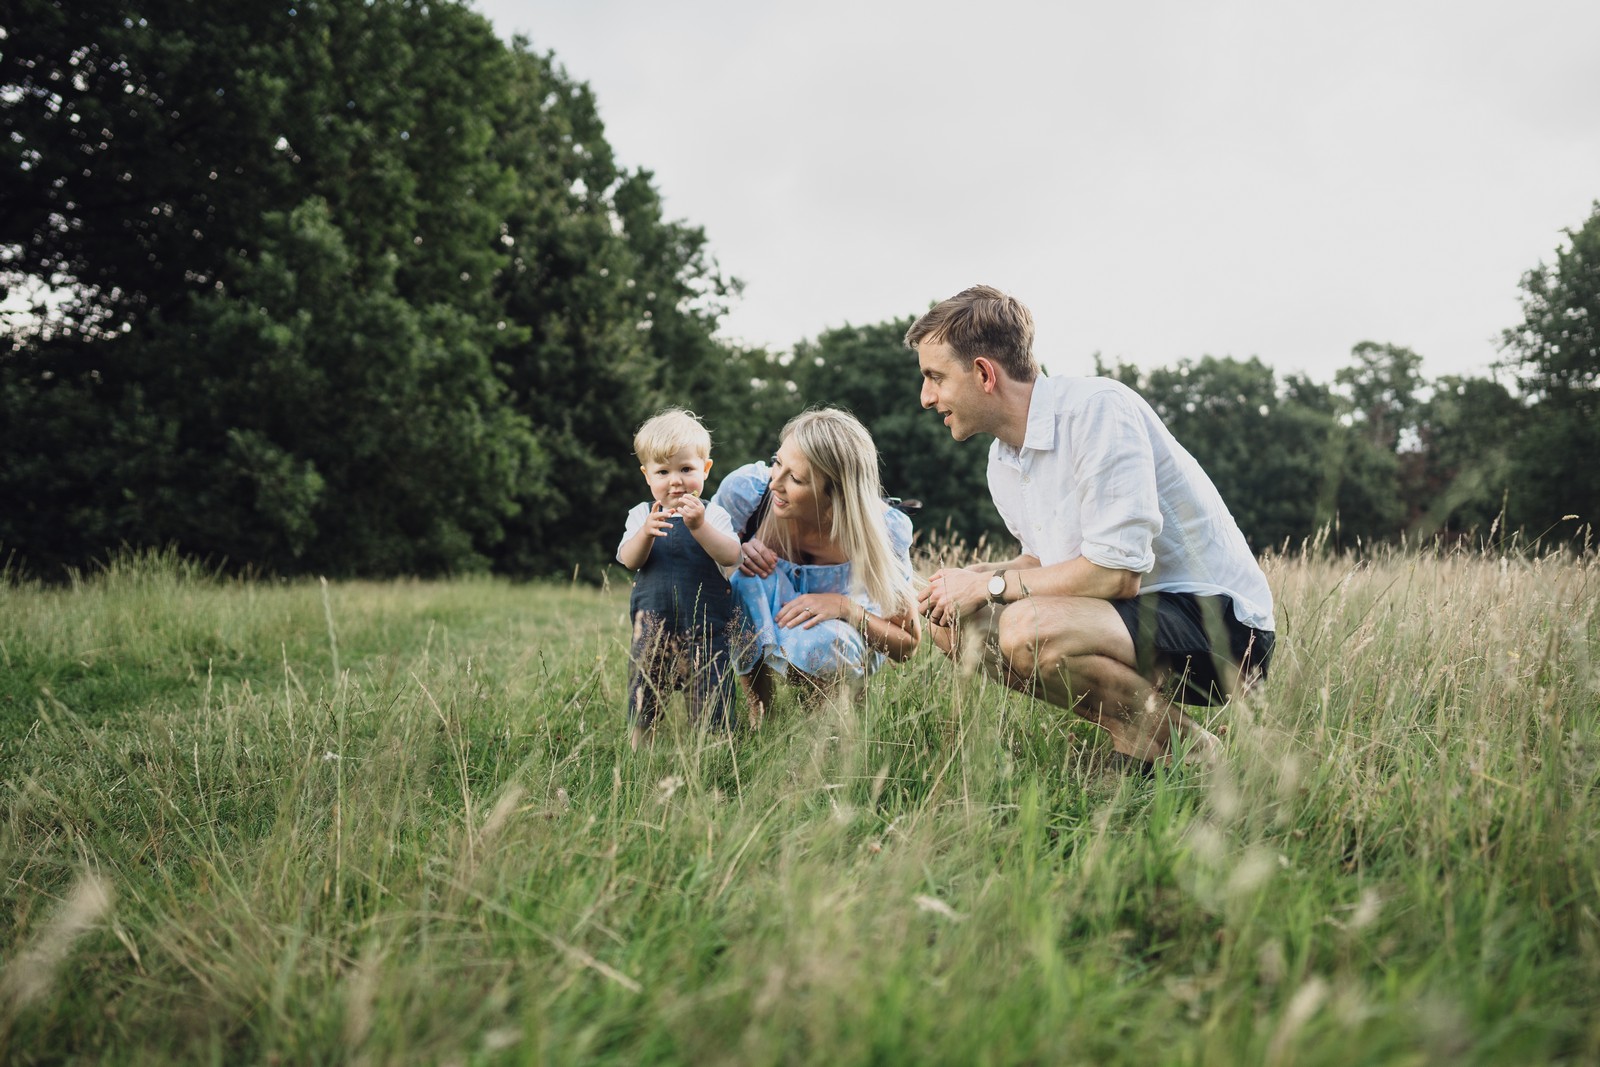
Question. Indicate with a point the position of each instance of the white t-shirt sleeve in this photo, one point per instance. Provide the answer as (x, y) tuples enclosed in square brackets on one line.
[(719, 519), (1115, 469), (635, 523)]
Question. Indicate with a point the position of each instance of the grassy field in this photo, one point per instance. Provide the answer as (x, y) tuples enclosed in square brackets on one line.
[(396, 823)]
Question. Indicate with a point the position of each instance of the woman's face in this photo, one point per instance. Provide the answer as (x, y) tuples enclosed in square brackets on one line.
[(796, 493)]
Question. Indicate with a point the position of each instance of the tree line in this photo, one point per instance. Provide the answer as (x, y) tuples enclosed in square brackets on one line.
[(354, 287)]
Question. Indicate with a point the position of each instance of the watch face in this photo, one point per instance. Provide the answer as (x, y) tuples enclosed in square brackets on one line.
[(997, 586)]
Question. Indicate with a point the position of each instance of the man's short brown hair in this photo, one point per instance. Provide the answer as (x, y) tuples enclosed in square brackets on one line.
[(981, 321)]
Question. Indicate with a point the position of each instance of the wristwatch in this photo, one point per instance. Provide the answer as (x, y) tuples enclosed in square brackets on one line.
[(997, 587)]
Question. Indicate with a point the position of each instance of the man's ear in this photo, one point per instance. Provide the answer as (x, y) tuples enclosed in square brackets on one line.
[(988, 373)]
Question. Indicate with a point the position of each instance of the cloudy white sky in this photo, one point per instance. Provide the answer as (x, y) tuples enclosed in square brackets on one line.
[(1157, 180)]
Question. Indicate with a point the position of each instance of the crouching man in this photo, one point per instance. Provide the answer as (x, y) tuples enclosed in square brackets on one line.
[(1135, 591)]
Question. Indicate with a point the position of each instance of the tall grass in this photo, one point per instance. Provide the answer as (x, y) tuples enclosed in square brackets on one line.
[(221, 848)]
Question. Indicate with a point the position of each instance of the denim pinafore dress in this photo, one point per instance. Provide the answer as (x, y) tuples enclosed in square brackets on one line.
[(682, 611)]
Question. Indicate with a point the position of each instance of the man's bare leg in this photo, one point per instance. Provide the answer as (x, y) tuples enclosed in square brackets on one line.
[(1075, 653), (1078, 654)]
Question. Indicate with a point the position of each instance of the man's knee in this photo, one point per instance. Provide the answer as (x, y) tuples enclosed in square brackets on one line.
[(1019, 639), (1036, 640)]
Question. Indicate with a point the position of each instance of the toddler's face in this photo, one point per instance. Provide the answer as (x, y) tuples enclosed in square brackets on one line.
[(677, 476)]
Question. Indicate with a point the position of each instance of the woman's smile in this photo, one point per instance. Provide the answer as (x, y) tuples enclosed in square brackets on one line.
[(794, 492)]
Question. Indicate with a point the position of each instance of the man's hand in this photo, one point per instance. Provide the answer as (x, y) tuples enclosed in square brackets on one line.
[(952, 593)]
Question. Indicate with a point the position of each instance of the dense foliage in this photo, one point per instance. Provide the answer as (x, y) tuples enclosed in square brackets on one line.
[(354, 287), (350, 287), (1556, 353)]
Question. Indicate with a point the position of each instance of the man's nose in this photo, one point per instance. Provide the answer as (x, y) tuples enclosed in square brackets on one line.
[(927, 396)]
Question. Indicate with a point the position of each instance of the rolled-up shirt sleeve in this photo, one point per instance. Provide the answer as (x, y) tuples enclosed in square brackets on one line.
[(1115, 469)]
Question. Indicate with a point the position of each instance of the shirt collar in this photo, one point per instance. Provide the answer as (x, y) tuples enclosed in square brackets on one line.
[(1040, 435)]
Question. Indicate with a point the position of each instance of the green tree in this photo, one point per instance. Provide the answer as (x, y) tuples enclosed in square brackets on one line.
[(1382, 386), (1466, 430), (611, 313), (1279, 455), (363, 434), (281, 235), (1555, 352)]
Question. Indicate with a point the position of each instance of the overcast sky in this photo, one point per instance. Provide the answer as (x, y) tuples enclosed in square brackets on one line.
[(1157, 180)]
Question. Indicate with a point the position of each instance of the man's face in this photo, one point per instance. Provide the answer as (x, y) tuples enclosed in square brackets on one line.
[(674, 477), (952, 389)]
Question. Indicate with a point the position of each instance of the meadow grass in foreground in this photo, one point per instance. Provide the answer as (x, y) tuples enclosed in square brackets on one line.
[(399, 822)]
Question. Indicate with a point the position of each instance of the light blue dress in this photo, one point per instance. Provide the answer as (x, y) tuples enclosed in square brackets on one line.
[(827, 649)]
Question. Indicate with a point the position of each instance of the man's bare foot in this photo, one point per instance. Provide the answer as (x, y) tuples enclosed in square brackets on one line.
[(1200, 747)]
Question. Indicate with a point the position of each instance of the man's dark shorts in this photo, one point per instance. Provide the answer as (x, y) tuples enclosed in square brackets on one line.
[(1211, 653)]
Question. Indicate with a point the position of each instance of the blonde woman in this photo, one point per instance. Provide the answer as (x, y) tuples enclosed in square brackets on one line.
[(824, 582)]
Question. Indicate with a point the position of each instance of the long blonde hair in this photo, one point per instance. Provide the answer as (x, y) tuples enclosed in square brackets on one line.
[(844, 465)]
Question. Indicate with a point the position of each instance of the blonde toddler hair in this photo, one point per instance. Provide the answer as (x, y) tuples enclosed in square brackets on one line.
[(669, 432)]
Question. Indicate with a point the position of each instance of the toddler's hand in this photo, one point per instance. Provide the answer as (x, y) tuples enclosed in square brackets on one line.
[(659, 522), (692, 510)]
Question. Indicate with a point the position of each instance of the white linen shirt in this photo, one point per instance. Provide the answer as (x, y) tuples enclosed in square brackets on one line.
[(1100, 476)]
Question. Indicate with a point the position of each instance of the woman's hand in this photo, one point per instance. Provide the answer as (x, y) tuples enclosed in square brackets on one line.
[(808, 609), (756, 560)]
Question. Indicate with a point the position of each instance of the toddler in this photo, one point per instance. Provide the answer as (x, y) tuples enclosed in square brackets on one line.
[(681, 607)]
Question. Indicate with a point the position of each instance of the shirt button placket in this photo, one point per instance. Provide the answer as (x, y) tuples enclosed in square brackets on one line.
[(1028, 499)]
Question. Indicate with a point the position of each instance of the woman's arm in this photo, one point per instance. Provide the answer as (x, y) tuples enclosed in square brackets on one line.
[(896, 636), (740, 493)]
